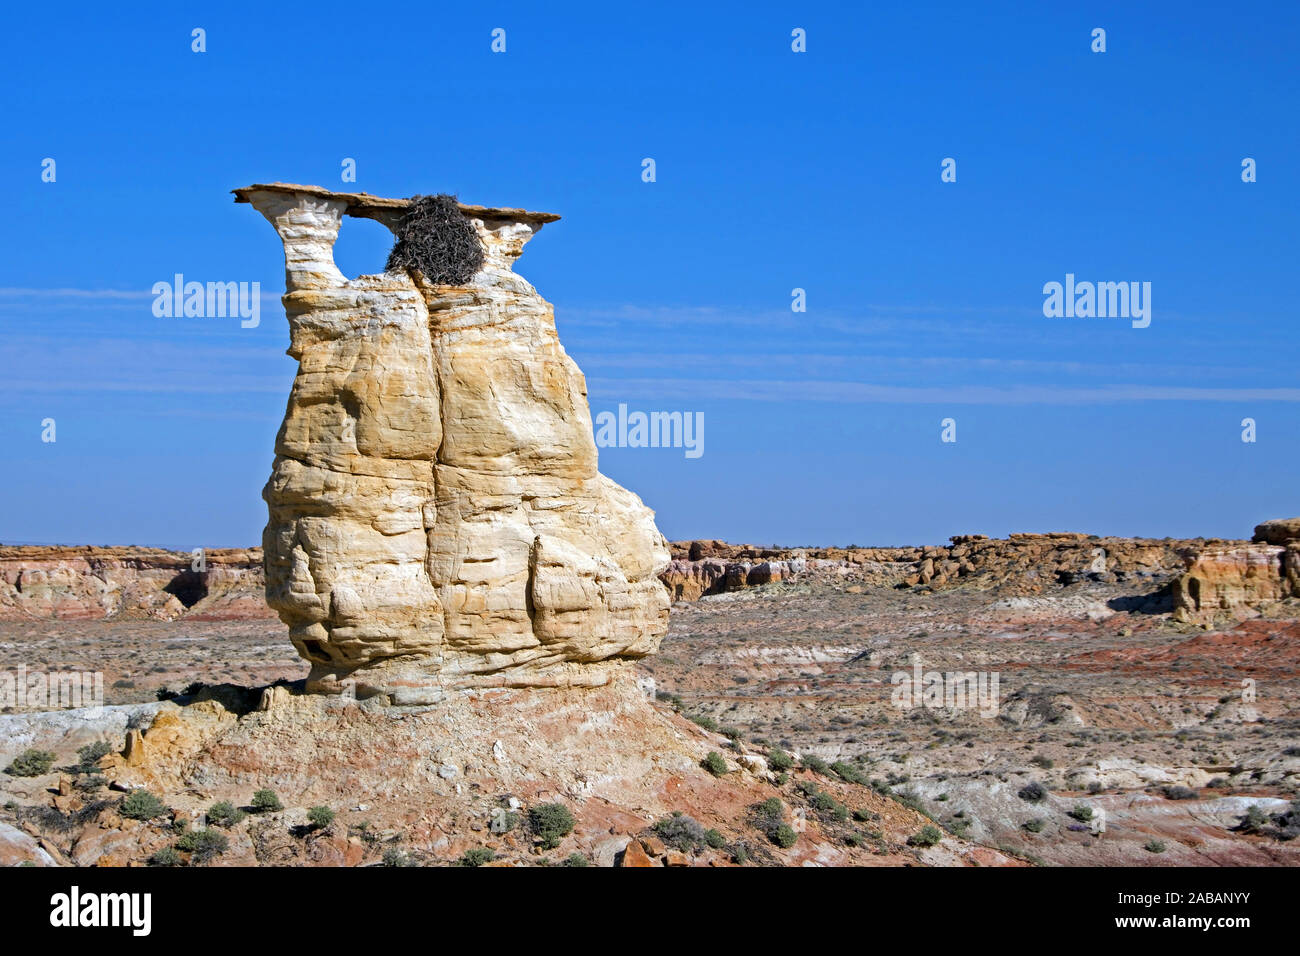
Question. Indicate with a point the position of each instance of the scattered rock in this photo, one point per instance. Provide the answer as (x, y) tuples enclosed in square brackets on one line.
[(635, 855), (17, 848), (1281, 531)]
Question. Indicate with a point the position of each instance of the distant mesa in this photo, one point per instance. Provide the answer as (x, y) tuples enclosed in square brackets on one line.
[(1195, 580)]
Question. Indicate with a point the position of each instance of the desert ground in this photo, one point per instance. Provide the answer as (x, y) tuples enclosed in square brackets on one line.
[(1120, 730), (1121, 712)]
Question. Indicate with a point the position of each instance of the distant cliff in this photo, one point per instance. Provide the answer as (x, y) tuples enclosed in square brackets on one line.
[(1196, 579), (89, 583)]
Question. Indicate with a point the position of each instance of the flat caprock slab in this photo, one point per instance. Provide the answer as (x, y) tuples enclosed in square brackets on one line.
[(364, 205)]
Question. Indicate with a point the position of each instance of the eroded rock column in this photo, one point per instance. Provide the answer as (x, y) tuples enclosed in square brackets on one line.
[(436, 514)]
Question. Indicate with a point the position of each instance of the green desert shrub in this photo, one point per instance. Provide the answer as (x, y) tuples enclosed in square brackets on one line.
[(476, 857), (1035, 825), (823, 802), (715, 764), (815, 764), (770, 812), (320, 817), (1032, 792), (88, 757), (1254, 819), (769, 819), (1155, 846), (575, 859), (779, 761), (31, 763), (203, 845), (142, 805), (266, 801), (551, 822), (167, 856), (928, 835), (1081, 813), (912, 801), (224, 814), (681, 832), (846, 771)]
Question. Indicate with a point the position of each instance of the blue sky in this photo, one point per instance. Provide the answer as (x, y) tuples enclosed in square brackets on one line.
[(775, 170)]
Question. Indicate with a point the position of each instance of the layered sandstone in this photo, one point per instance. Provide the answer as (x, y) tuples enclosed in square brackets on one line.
[(1198, 580), (1022, 563), (436, 514), (1283, 531), (90, 583), (1235, 581)]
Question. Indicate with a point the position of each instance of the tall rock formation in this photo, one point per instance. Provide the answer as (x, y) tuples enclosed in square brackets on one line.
[(1241, 580), (1235, 581), (436, 515)]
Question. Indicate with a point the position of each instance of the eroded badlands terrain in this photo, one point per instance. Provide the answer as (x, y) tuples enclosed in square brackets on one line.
[(1115, 711), (1144, 704)]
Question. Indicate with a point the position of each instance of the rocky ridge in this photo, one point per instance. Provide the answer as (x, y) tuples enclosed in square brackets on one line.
[(1196, 579)]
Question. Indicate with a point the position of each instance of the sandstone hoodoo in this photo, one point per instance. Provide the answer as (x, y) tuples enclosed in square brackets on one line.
[(436, 514)]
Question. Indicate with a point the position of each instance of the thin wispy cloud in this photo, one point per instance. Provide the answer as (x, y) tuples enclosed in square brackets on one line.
[(775, 390), (200, 365), (902, 363), (867, 319), (16, 292), (212, 386)]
